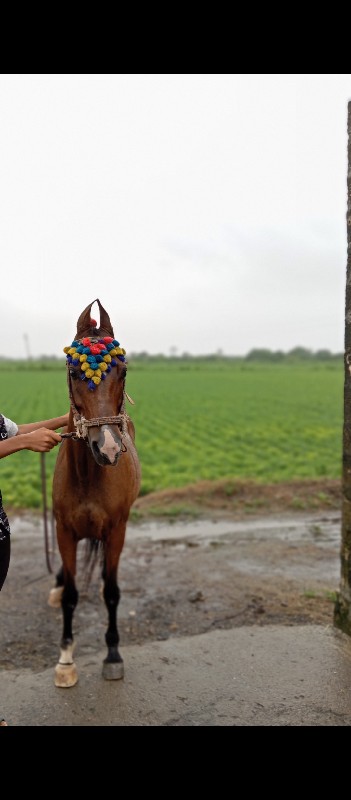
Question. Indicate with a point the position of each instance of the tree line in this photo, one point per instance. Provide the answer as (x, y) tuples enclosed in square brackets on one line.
[(257, 354)]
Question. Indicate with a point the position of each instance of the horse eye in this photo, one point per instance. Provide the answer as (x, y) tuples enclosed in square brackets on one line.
[(124, 372), (73, 373)]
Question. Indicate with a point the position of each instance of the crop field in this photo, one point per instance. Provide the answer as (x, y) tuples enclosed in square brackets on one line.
[(197, 420)]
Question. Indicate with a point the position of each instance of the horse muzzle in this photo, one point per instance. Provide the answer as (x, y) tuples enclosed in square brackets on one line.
[(106, 445)]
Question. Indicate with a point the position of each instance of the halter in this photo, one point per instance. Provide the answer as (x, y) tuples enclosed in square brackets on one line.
[(82, 424)]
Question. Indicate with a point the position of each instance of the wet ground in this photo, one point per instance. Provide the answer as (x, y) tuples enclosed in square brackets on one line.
[(178, 579), (222, 623)]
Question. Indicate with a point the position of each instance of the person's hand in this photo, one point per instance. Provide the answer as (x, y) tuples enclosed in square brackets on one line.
[(42, 440)]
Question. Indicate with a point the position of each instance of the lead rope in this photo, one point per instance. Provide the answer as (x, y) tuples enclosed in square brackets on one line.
[(49, 552)]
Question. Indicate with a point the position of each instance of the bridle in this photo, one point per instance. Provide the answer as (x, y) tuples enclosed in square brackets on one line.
[(82, 425)]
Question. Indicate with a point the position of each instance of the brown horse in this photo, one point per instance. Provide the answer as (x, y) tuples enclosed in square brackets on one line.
[(91, 500)]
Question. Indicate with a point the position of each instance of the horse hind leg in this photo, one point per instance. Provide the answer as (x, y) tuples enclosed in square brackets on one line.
[(55, 594)]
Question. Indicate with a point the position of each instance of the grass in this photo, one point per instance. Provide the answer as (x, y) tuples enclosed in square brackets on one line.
[(197, 422)]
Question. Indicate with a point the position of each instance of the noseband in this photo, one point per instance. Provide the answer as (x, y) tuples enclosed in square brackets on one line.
[(82, 425)]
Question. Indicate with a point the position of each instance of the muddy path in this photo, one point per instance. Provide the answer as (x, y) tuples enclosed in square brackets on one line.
[(177, 579)]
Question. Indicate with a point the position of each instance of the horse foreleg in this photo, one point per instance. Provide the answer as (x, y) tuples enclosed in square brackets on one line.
[(113, 668), (66, 671)]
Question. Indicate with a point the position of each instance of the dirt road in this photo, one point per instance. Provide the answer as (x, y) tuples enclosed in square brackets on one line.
[(177, 580)]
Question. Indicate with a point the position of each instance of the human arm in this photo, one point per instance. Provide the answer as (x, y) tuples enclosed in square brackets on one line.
[(37, 436), (50, 424), (40, 441)]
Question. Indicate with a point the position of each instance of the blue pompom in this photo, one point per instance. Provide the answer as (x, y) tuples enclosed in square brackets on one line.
[(74, 344), (75, 362), (110, 346), (82, 376), (91, 359), (86, 350), (103, 376), (108, 368), (80, 349), (121, 358), (98, 359), (91, 385), (103, 352), (69, 359), (113, 362), (115, 343)]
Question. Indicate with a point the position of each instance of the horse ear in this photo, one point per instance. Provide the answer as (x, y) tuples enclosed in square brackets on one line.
[(105, 323), (84, 324)]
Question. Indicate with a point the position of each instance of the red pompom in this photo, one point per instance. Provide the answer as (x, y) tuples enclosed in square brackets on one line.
[(108, 339), (93, 323)]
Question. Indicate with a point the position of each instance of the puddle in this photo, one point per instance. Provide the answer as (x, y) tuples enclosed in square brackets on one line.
[(322, 530)]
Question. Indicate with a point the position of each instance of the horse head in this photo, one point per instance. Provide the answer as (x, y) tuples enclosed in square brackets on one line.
[(96, 377)]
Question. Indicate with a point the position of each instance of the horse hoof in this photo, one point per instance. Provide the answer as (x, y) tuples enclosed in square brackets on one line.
[(66, 675), (55, 597), (113, 670)]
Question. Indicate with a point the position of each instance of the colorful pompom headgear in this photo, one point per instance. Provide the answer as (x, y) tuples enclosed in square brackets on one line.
[(96, 357)]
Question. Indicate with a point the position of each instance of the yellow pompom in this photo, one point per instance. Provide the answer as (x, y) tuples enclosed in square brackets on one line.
[(66, 350), (85, 366), (89, 373), (113, 352), (98, 373), (124, 351), (83, 357), (103, 366), (118, 351), (107, 359), (71, 351), (96, 380)]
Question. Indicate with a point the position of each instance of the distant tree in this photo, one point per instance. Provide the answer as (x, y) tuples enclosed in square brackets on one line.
[(322, 355), (259, 354), (278, 355), (300, 353)]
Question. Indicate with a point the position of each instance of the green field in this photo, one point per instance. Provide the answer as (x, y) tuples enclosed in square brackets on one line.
[(198, 420)]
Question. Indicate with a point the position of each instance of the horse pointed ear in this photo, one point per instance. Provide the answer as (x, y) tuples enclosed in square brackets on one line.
[(84, 323), (105, 323)]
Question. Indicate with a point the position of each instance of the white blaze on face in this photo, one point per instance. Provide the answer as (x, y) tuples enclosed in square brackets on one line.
[(109, 445)]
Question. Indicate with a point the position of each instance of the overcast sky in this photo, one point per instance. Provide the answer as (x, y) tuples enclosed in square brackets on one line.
[(205, 211)]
